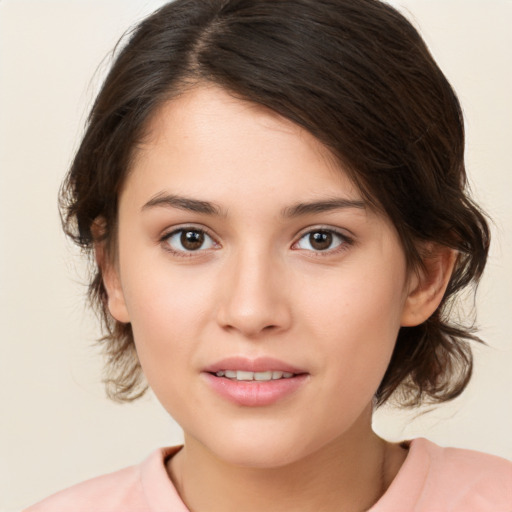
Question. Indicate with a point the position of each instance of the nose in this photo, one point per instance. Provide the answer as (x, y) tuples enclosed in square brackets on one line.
[(254, 298)]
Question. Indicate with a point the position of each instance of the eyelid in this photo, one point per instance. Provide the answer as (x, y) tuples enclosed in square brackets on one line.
[(168, 233), (347, 240)]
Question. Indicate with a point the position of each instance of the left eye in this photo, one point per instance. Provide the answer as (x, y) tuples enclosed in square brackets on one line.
[(320, 240), (189, 240)]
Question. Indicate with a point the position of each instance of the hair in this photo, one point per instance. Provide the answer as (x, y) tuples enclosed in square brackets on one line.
[(355, 74)]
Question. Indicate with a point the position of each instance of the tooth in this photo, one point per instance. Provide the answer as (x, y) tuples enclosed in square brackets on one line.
[(263, 375), (241, 375), (248, 376)]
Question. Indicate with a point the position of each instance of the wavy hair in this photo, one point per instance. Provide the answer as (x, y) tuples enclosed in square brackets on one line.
[(355, 74)]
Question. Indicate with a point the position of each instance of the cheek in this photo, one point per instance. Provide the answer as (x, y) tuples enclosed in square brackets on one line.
[(167, 311), (356, 319)]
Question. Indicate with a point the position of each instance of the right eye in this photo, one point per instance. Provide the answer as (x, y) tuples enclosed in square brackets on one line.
[(187, 240)]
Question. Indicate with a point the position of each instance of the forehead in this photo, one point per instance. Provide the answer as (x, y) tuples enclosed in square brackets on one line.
[(209, 135)]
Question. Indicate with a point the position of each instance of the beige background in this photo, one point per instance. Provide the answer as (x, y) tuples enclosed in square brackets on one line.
[(56, 426)]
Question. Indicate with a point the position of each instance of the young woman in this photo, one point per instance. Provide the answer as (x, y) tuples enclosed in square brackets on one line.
[(274, 193)]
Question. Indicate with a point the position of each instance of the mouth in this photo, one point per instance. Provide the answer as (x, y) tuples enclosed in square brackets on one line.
[(258, 382), (242, 375), (261, 369)]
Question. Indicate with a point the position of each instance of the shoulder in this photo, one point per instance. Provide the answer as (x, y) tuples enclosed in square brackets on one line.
[(125, 490), (469, 472), (113, 490), (450, 480)]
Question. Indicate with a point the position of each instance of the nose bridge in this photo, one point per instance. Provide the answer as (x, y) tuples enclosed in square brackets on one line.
[(254, 300)]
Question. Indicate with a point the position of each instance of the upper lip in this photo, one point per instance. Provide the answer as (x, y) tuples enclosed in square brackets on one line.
[(260, 364)]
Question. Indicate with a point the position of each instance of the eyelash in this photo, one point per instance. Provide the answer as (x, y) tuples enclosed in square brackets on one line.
[(344, 241), (183, 253)]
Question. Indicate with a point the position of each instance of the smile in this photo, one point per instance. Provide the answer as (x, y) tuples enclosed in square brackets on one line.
[(242, 375), (255, 388)]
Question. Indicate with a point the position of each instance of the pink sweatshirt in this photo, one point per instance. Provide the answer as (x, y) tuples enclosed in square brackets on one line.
[(432, 479)]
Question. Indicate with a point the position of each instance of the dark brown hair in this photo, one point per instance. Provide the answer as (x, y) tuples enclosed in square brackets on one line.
[(355, 74)]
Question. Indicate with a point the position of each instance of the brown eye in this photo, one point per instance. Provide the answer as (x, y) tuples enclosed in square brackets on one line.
[(192, 240), (321, 240), (188, 240)]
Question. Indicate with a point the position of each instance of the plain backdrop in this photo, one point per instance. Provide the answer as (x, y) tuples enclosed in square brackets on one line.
[(56, 426)]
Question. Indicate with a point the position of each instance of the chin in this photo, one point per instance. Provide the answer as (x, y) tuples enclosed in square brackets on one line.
[(265, 447)]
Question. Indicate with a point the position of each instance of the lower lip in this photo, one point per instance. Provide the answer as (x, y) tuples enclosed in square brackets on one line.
[(255, 393)]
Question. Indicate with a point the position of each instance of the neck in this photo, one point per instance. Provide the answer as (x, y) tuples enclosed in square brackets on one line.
[(351, 473)]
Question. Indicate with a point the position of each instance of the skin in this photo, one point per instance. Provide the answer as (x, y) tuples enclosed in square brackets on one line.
[(257, 287)]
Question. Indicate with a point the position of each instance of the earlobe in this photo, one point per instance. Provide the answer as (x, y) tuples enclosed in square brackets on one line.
[(428, 285), (115, 296), (112, 283)]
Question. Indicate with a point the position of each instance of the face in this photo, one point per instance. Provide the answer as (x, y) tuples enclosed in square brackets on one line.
[(265, 297)]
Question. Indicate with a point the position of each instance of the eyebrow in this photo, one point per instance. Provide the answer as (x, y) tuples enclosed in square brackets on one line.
[(300, 209), (184, 203), (208, 208)]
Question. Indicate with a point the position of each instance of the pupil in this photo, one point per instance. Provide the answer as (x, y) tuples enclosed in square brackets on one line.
[(321, 240), (192, 240)]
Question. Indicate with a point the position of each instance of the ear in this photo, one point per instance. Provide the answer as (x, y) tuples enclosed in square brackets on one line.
[(428, 284), (110, 275)]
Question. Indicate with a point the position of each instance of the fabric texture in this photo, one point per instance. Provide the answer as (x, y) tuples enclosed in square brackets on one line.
[(432, 479)]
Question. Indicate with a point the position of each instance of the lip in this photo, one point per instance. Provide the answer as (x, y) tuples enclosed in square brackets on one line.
[(254, 393), (260, 364)]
